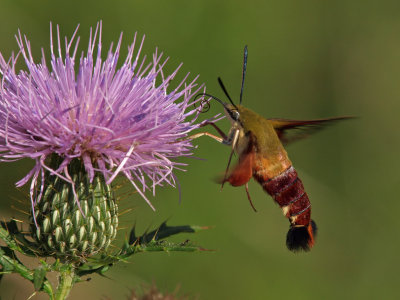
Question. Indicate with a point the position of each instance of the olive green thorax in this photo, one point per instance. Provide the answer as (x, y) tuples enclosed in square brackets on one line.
[(267, 140)]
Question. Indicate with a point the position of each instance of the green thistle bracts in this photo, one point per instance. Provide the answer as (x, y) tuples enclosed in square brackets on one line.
[(62, 231)]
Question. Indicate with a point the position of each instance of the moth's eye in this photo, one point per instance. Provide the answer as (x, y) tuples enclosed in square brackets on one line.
[(235, 115)]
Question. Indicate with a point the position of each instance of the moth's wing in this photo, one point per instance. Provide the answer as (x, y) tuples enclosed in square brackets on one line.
[(293, 130), (243, 171)]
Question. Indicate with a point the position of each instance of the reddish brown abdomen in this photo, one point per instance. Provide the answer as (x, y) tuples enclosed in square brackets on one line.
[(288, 191)]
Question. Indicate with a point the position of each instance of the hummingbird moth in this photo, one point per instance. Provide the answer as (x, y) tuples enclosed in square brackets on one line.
[(259, 144)]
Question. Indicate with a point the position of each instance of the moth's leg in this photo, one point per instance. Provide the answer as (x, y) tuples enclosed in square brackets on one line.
[(248, 197), (197, 135), (223, 139), (219, 130), (231, 141)]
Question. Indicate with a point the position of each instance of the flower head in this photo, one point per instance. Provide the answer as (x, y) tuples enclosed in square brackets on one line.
[(115, 120)]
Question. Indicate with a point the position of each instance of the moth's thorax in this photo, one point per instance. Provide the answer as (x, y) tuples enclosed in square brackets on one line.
[(271, 157)]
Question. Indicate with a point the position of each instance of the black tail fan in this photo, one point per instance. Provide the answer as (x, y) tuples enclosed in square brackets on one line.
[(301, 238)]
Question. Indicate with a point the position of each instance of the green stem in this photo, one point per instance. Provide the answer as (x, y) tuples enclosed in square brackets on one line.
[(65, 283)]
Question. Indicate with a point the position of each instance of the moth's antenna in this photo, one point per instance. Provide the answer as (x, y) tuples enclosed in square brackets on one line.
[(243, 72), (225, 91), (211, 96)]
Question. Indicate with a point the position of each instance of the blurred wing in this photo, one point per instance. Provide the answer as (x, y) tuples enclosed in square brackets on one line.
[(293, 130), (243, 171)]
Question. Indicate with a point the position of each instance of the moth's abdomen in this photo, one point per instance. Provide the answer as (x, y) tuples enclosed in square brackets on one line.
[(288, 191)]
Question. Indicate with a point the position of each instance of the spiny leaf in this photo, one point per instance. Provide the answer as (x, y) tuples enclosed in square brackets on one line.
[(11, 264), (162, 232), (148, 242), (160, 246), (38, 277), (15, 239), (101, 264), (98, 268)]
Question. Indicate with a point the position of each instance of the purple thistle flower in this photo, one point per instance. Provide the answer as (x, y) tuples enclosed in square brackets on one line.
[(117, 121)]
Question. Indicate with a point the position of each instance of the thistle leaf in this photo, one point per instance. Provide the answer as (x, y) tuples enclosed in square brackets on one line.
[(38, 277), (162, 232), (15, 239), (11, 264), (148, 242)]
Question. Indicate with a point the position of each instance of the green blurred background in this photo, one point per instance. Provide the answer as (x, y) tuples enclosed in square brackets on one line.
[(307, 59)]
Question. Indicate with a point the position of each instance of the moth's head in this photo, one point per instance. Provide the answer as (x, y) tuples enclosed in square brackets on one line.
[(232, 112)]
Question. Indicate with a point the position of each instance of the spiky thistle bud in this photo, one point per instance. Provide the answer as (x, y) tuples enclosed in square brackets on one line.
[(74, 221)]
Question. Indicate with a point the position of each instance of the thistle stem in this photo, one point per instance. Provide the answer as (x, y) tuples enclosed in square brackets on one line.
[(65, 283)]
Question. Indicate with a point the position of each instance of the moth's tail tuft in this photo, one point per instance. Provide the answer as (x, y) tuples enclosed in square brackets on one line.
[(301, 238)]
